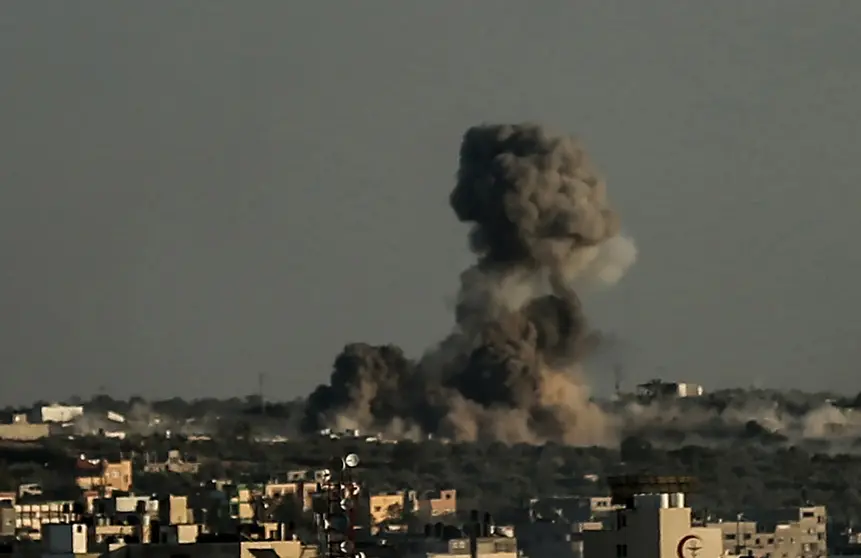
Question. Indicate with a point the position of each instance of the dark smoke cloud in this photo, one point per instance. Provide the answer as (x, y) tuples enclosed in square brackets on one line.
[(510, 370)]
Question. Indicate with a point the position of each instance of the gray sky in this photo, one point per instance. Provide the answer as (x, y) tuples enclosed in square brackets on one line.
[(195, 192)]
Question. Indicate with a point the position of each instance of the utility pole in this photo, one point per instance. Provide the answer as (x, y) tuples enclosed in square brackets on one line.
[(260, 378)]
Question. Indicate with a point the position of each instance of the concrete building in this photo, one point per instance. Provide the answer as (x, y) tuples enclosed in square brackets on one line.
[(303, 492), (435, 504), (559, 539), (56, 413), (427, 546), (22, 430), (658, 388), (175, 463), (101, 474), (8, 520), (653, 523), (391, 506), (30, 517), (79, 540), (797, 532)]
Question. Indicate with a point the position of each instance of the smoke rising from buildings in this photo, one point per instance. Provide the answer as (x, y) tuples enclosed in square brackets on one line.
[(511, 368)]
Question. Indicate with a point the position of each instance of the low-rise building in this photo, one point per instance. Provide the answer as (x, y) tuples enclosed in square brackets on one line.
[(432, 505), (659, 388), (78, 539), (22, 430), (101, 474), (798, 532), (175, 463)]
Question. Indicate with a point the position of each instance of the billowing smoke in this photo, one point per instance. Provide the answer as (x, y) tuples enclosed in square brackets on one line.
[(510, 370)]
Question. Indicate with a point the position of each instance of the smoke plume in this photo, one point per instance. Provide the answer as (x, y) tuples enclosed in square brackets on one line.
[(511, 368)]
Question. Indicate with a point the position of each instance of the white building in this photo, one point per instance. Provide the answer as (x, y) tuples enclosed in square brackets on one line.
[(56, 413), (658, 388), (652, 525)]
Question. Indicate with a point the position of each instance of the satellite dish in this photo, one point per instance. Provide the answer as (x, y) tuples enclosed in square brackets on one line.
[(346, 547), (346, 504), (359, 555), (336, 523), (326, 474), (352, 460)]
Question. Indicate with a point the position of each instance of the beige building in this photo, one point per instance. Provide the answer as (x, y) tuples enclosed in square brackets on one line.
[(387, 507), (31, 516), (22, 430), (796, 532), (435, 504), (652, 525), (79, 540), (175, 463), (100, 474)]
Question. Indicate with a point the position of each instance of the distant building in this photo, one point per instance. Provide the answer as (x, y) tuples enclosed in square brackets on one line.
[(174, 463), (101, 474), (30, 517), (22, 430), (56, 413), (659, 388)]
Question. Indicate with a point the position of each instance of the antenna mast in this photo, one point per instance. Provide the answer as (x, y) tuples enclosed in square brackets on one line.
[(260, 378), (336, 519)]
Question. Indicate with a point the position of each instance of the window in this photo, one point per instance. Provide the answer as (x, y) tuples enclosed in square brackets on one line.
[(807, 514), (621, 551), (621, 520)]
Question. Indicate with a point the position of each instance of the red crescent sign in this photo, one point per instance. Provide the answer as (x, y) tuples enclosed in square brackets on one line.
[(680, 549)]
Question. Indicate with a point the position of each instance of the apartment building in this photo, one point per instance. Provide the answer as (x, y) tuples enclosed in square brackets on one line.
[(653, 522), (31, 516), (78, 539), (797, 532)]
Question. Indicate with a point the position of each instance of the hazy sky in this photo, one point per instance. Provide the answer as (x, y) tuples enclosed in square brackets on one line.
[(197, 192)]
